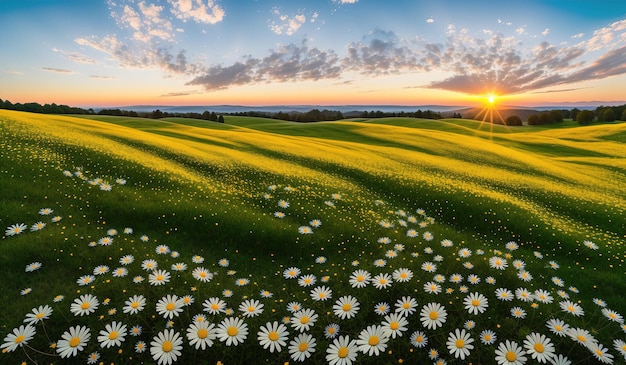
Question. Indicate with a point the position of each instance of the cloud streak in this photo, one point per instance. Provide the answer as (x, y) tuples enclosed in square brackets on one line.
[(56, 70)]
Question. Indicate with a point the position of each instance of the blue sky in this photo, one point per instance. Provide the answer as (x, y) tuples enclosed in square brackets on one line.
[(182, 52)]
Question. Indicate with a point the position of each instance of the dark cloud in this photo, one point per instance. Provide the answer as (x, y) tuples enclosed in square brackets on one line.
[(381, 53)]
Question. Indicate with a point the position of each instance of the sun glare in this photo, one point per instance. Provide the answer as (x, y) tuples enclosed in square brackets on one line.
[(491, 98)]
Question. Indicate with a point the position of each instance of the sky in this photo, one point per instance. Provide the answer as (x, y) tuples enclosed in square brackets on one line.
[(103, 53)]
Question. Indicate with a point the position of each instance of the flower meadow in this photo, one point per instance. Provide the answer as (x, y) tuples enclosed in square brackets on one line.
[(116, 263)]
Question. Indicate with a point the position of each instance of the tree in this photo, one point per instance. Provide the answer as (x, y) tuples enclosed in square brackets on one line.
[(533, 119), (608, 115), (220, 119), (623, 115), (573, 113), (585, 117), (513, 120), (556, 116)]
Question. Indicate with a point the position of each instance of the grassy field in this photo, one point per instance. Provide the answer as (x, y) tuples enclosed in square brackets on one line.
[(274, 212)]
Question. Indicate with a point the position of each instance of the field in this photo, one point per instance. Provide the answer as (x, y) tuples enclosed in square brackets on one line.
[(370, 241)]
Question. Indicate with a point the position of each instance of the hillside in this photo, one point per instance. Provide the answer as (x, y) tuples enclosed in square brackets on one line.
[(259, 205)]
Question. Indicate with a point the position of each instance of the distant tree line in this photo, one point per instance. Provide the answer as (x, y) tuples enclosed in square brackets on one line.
[(600, 114), (44, 109), (158, 114), (316, 115)]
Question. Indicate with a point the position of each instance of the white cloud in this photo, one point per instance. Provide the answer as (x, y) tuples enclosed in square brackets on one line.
[(579, 35), (346, 1), (545, 32), (56, 70), (208, 12), (76, 57), (145, 20), (286, 24), (520, 30), (430, 20)]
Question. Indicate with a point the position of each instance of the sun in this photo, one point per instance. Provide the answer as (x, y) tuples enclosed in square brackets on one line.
[(491, 98)]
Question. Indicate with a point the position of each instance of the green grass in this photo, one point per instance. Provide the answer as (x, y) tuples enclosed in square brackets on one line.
[(201, 188)]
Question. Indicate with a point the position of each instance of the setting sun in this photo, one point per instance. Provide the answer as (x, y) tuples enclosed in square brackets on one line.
[(491, 98)]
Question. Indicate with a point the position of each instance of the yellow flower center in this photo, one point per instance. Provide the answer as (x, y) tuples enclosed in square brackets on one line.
[(419, 339), (433, 315), (394, 325), (404, 275), (459, 343), (232, 331), (273, 336), (360, 278), (203, 333), (170, 306), (75, 341), (346, 307), (487, 337), (135, 305), (159, 278), (406, 305), (373, 341), (322, 295), (343, 352), (167, 346), (303, 346), (113, 335), (304, 320), (39, 315), (251, 309), (510, 356), (539, 347), (85, 305), (582, 338), (215, 306), (383, 281), (202, 274), (558, 328), (19, 339)]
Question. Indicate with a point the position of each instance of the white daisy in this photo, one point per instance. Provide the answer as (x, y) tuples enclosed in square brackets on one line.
[(273, 336), (372, 341), (112, 335), (166, 347), (201, 334), (232, 331)]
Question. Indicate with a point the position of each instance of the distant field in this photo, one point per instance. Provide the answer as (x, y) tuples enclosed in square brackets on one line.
[(535, 208)]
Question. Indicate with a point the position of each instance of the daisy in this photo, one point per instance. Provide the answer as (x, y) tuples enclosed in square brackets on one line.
[(201, 334), (524, 295), (170, 306), (394, 324), (38, 315), (15, 229), (127, 259), (112, 335), (162, 250), (291, 273), (273, 336), (558, 327), (488, 337), (398, 247), (128, 230), (518, 312), (476, 303), (331, 331), (543, 296), (554, 265), (465, 253), (498, 263), (307, 280), (524, 275), (138, 279), (72, 341), (197, 259), (360, 279), (428, 236), (372, 341), (538, 254), (166, 346), (283, 204), (381, 308), (612, 315), (382, 281), (406, 306), (315, 223), (572, 308), (402, 275), (504, 294), (510, 353), (446, 243), (18, 338), (519, 264), (384, 240), (411, 233), (105, 241), (539, 347), (342, 351), (346, 307), (251, 308), (305, 230), (93, 358), (620, 346), (303, 320), (226, 293), (432, 288), (179, 266), (459, 344), (511, 246), (433, 315), (149, 265), (419, 340), (100, 270), (473, 279), (58, 298), (581, 336), (37, 226), (84, 305), (214, 305), (429, 266), (301, 347), (56, 219), (199, 318), (232, 331), (469, 325), (293, 307), (599, 302), (120, 272), (590, 245), (468, 265), (279, 214), (134, 304), (391, 254), (202, 274), (32, 267), (135, 330), (242, 282), (45, 211), (85, 280), (601, 353), (159, 277), (456, 278), (321, 293), (380, 263), (439, 278)]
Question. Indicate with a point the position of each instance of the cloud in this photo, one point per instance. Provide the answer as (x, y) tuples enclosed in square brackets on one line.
[(181, 93), (286, 24), (197, 10), (76, 57), (430, 20), (346, 1), (287, 63), (13, 72), (102, 77), (56, 70), (145, 20), (545, 32)]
